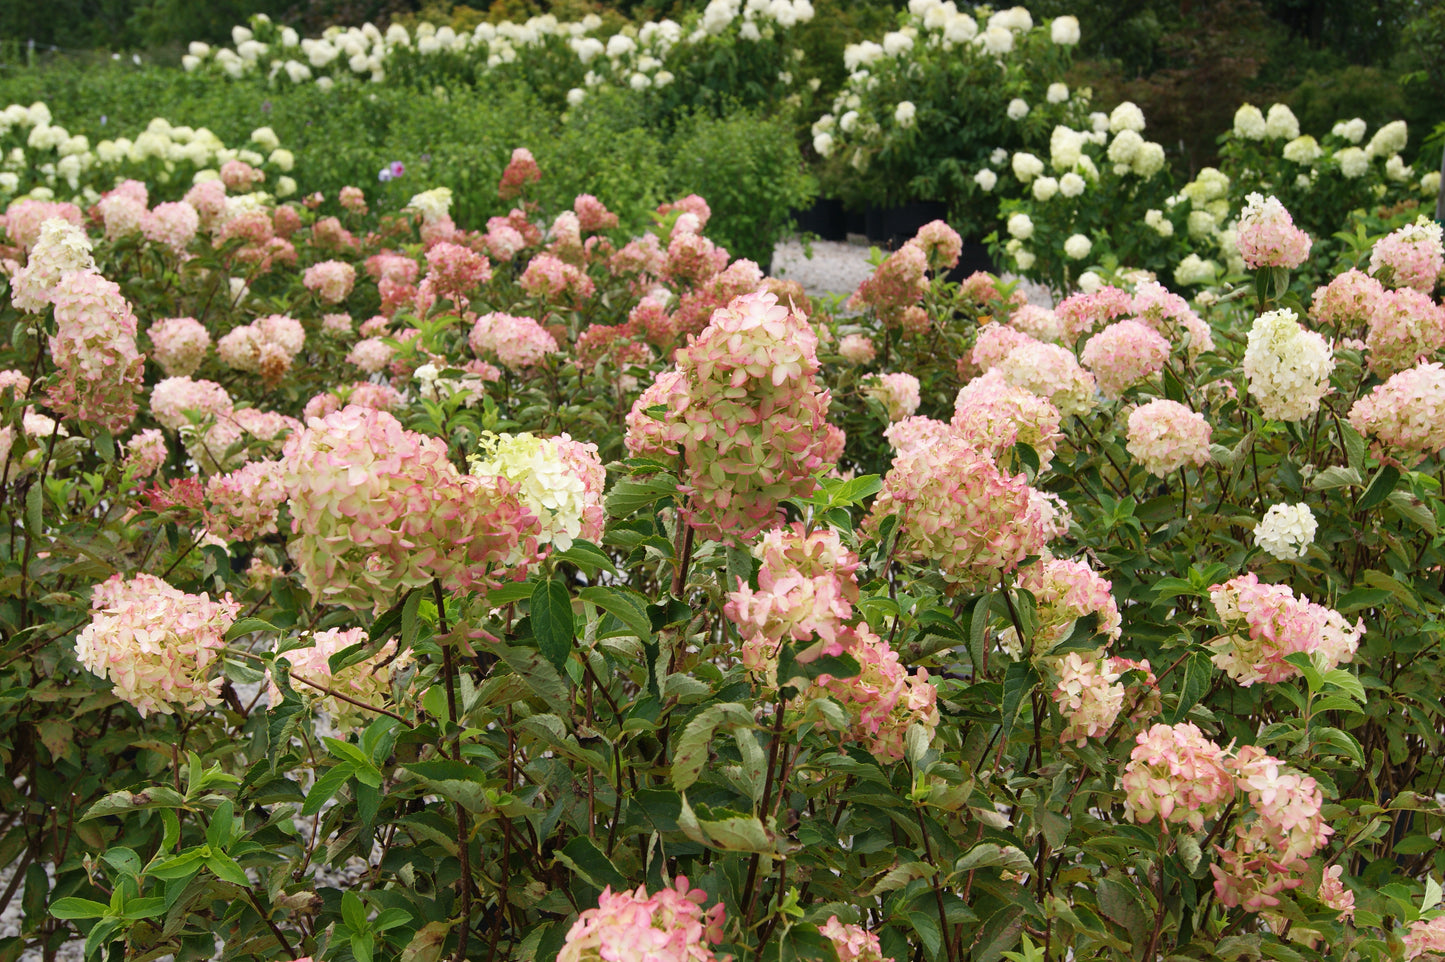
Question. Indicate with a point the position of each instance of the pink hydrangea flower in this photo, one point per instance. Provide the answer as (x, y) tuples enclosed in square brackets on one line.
[(353, 199), (1346, 302), (1410, 257), (1405, 416), (1170, 315), (455, 272), (157, 645), (884, 698), (856, 349), (1039, 323), (240, 176), (1266, 623), (1405, 325), (995, 342), (145, 452), (556, 281), (377, 509), (174, 398), (172, 225), (1176, 775), (120, 215), (98, 370), (1066, 591), (1425, 939), (1088, 695), (246, 503), (23, 219), (330, 281), (1165, 435), (1267, 236), (691, 260), (1124, 354), (959, 511), (806, 590), (940, 244), (993, 415), (60, 248), (668, 926), (897, 392), (179, 345), (266, 346), (1081, 312), (518, 342), (691, 204), (521, 171), (1052, 372), (853, 943), (897, 284), (592, 214), (368, 681)]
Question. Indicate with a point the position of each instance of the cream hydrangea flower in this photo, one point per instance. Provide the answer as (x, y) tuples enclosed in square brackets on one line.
[(1286, 531)]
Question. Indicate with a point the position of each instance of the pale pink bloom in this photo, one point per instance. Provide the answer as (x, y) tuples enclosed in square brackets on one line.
[(853, 943), (940, 243), (1165, 435), (1124, 354), (1052, 372), (371, 354), (856, 349), (650, 436), (1410, 257), (353, 199), (179, 345), (23, 219), (1066, 591), (994, 343), (1177, 775), (1405, 416), (208, 198), (336, 323), (1346, 302), (691, 204), (643, 256), (994, 415), (172, 224), (556, 281), (518, 342), (1405, 325), (1088, 695), (959, 511), (330, 281), (98, 370), (898, 393), (245, 504), (913, 433), (174, 398), (240, 176), (668, 926), (15, 381), (266, 346), (592, 214), (158, 646), (1170, 315), (377, 509), (1266, 623), (1039, 323), (1426, 939), (884, 699), (456, 272), (896, 285), (61, 248), (1333, 892), (691, 260), (1081, 312), (368, 681), (328, 234), (503, 241), (121, 215), (145, 453), (1267, 236)]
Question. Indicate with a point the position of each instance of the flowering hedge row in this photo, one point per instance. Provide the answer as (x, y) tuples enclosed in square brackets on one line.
[(380, 588)]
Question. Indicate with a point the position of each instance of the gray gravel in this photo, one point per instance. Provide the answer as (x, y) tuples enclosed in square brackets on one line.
[(838, 267)]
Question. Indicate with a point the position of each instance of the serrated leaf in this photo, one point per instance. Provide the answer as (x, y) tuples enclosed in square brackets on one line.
[(628, 606), (1380, 487), (584, 857), (535, 670), (1193, 684), (628, 497), (427, 944), (691, 754), (989, 854), (157, 796), (326, 787), (587, 556)]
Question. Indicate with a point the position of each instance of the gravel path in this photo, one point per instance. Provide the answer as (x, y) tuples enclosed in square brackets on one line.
[(838, 267)]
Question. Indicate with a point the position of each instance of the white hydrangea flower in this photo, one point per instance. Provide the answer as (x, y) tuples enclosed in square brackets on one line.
[(1018, 109), (1064, 31), (1021, 226), (986, 179), (1057, 93), (1249, 123), (1287, 366), (550, 486), (1126, 116), (1077, 247), (904, 113), (1287, 531), (1045, 188), (1281, 124), (1351, 130), (1071, 185)]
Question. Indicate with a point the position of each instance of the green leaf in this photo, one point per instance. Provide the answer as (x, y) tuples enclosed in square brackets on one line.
[(184, 865), (989, 854), (427, 944), (628, 606), (389, 623), (246, 626), (731, 833), (1342, 742), (1121, 903), (691, 754), (926, 925), (75, 908), (1194, 683), (353, 912), (326, 787), (157, 796), (1018, 681), (583, 856), (35, 509), (147, 908), (552, 621), (587, 556), (628, 497), (225, 868), (535, 670), (1380, 487)]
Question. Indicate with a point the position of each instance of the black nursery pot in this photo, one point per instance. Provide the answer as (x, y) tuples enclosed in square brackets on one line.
[(972, 259), (892, 227), (825, 218)]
